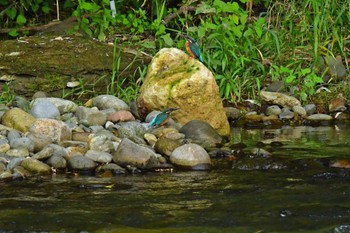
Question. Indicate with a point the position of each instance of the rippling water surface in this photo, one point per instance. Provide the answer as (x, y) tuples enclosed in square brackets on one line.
[(300, 199)]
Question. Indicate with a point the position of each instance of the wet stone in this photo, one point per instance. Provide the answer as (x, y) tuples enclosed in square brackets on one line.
[(14, 162), (35, 166), (273, 110), (300, 111), (310, 109), (112, 167), (286, 114), (22, 172), (166, 146), (232, 113), (81, 163), (202, 133), (57, 161), (319, 117), (191, 156), (99, 156), (6, 175), (130, 153), (21, 152)]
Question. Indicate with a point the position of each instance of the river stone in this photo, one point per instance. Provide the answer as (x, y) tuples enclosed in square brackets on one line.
[(151, 139), (23, 142), (109, 101), (18, 119), (112, 167), (81, 163), (58, 150), (279, 99), (56, 130), (21, 172), (232, 113), (12, 135), (202, 133), (2, 167), (191, 156), (57, 161), (319, 117), (286, 114), (14, 162), (99, 156), (166, 146), (100, 142), (45, 109), (6, 175), (132, 130), (334, 66), (273, 110), (20, 152), (35, 166), (90, 116), (121, 115), (175, 80), (64, 106), (4, 146), (130, 153), (310, 109), (300, 111), (45, 153), (39, 141)]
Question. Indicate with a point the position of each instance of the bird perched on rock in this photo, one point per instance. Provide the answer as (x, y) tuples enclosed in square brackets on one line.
[(162, 118), (192, 47)]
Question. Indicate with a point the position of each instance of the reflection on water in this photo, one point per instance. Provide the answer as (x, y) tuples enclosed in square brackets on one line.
[(223, 200)]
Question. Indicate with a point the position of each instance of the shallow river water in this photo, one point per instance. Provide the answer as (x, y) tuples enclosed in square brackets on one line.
[(312, 196)]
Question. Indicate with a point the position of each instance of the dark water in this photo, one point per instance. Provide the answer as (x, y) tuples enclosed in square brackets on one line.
[(296, 199)]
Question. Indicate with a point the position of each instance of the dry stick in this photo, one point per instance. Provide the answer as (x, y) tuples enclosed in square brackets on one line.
[(182, 9)]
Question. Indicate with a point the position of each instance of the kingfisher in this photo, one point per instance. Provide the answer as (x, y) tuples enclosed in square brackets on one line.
[(192, 47), (162, 118)]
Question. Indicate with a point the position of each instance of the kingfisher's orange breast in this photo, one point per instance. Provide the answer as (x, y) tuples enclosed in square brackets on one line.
[(189, 50)]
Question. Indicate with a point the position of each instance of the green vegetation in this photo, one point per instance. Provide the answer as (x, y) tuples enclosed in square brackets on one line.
[(246, 49)]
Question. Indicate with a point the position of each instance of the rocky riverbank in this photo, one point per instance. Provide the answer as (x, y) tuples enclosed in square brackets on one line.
[(105, 137)]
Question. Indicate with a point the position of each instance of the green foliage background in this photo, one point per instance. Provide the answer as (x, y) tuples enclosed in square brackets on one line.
[(246, 49)]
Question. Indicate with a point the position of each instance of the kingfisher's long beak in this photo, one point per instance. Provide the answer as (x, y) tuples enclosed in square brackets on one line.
[(174, 109)]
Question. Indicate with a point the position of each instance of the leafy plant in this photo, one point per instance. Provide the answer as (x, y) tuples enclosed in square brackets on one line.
[(16, 14), (7, 95), (302, 82), (94, 18)]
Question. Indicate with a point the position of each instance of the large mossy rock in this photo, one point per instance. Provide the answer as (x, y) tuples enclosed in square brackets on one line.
[(176, 80), (47, 62)]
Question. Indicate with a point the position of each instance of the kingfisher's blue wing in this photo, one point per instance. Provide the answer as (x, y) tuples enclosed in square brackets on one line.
[(196, 51)]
